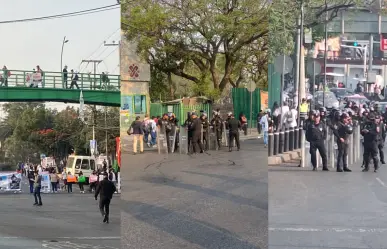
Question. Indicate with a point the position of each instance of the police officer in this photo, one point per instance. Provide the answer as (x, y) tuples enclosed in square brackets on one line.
[(315, 134), (175, 122), (233, 126), (196, 133), (188, 126), (105, 189), (381, 137), (206, 126), (370, 133), (166, 126), (342, 132), (309, 120), (217, 124)]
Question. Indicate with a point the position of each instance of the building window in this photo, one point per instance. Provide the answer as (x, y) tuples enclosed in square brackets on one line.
[(139, 104)]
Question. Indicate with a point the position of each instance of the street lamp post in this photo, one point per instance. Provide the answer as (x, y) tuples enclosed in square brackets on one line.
[(61, 54)]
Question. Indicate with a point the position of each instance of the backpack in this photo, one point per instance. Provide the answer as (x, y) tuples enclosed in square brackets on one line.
[(289, 117)]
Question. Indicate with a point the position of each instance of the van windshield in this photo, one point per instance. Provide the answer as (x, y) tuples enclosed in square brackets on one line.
[(70, 162)]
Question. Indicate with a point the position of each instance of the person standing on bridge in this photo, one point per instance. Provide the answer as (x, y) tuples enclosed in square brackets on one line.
[(105, 190), (74, 79), (6, 74), (65, 76)]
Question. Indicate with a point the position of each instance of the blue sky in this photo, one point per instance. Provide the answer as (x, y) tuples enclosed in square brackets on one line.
[(28, 44)]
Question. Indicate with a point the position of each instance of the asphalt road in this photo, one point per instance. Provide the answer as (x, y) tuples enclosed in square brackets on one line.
[(65, 221), (327, 209), (207, 201)]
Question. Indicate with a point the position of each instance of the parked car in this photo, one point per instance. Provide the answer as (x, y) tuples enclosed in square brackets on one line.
[(329, 99), (341, 93)]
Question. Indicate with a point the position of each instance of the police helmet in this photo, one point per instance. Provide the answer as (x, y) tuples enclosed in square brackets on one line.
[(344, 115), (371, 116), (349, 129)]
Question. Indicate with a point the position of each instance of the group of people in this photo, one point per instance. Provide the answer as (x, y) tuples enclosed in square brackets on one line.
[(372, 127), (198, 127), (104, 186)]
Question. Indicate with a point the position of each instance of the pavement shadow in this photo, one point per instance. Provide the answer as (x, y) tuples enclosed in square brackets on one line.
[(182, 226), (219, 194)]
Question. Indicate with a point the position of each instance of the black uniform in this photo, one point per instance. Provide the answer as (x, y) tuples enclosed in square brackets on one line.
[(197, 135), (342, 131), (234, 126), (381, 140), (217, 124), (105, 190), (206, 127), (315, 135), (370, 145), (175, 121), (188, 126), (167, 127)]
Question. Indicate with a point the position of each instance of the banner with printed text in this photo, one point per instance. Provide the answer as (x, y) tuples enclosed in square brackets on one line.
[(10, 181)]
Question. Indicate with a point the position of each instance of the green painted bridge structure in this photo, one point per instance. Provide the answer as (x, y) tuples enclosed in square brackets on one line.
[(30, 86)]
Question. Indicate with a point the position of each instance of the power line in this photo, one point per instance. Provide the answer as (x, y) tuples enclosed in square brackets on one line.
[(76, 13)]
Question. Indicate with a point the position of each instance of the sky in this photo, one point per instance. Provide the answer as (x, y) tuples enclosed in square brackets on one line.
[(28, 44)]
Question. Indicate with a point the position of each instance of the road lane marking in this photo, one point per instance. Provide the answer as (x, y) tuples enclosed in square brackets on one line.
[(334, 230), (381, 182)]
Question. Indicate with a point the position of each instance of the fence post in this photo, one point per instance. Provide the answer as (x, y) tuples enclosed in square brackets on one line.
[(301, 131), (271, 141), (276, 142), (331, 145), (281, 142), (291, 138), (295, 138), (286, 140), (303, 150)]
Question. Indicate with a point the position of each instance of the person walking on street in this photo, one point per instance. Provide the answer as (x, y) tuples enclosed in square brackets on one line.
[(136, 128), (264, 123), (54, 181), (37, 188), (31, 179), (196, 128), (105, 190), (233, 126), (81, 182)]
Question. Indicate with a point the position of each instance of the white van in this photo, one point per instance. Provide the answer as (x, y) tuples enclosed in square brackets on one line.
[(86, 164)]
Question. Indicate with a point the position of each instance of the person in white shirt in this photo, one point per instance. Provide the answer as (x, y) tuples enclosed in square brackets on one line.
[(265, 127), (294, 114), (284, 111)]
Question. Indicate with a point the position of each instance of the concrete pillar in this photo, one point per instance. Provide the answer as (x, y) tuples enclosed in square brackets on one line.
[(302, 74)]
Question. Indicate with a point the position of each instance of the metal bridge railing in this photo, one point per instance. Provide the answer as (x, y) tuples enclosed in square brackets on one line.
[(18, 78)]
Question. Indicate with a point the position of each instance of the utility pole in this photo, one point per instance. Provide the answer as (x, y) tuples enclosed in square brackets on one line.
[(106, 133), (325, 50), (95, 63)]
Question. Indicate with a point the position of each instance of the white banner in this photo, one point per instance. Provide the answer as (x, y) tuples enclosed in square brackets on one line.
[(10, 181), (46, 183)]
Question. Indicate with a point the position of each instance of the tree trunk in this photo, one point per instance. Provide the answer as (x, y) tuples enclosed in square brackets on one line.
[(171, 87)]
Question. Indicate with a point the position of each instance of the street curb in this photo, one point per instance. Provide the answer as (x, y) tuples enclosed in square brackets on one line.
[(284, 158)]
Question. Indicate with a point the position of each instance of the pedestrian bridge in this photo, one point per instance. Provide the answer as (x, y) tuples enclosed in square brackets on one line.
[(30, 86)]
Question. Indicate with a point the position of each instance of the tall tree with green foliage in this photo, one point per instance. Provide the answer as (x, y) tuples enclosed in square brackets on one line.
[(284, 15), (204, 41)]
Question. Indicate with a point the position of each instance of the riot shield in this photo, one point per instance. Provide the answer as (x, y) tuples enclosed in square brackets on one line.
[(162, 140), (172, 138), (183, 141), (225, 135), (206, 138), (212, 141)]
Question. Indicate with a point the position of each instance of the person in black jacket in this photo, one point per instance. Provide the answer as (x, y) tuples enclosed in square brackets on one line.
[(381, 137), (205, 125), (188, 126), (342, 132), (233, 126), (196, 133), (137, 129), (370, 133), (315, 134), (217, 124), (165, 125), (105, 190)]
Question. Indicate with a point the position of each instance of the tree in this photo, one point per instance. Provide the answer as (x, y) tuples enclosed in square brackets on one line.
[(199, 40), (284, 15)]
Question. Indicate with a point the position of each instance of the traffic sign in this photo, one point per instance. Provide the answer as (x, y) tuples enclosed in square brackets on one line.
[(278, 64), (251, 86), (383, 43)]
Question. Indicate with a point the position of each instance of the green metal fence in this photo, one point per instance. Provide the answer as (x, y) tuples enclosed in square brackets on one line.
[(18, 78), (241, 102), (180, 110)]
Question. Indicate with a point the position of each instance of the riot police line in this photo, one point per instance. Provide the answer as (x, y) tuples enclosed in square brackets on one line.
[(338, 139), (212, 135)]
